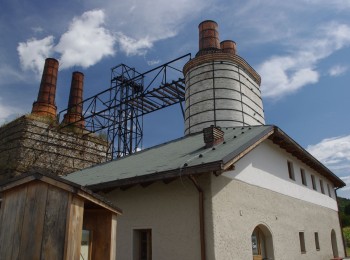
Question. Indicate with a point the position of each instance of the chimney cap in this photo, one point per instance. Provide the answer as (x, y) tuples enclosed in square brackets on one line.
[(207, 21)]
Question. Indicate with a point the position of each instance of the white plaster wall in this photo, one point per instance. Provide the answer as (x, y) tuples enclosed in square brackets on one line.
[(234, 93), (258, 192), (170, 210), (266, 167)]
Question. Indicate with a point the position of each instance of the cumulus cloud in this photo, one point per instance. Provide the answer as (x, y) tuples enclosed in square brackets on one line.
[(33, 52), (133, 46), (86, 42), (286, 74), (337, 70), (334, 153)]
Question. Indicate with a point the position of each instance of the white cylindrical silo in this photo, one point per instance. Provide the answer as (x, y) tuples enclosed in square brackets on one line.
[(222, 89)]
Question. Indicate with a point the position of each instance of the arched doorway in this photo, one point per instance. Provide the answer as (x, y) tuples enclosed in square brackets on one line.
[(262, 244), (334, 244)]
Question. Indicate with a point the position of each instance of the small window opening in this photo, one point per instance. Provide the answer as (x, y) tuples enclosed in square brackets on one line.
[(303, 177), (313, 182), (322, 188), (317, 242), (329, 190), (143, 244), (291, 170), (302, 242)]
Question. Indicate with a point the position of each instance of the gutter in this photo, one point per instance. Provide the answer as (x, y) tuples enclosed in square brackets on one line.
[(201, 216)]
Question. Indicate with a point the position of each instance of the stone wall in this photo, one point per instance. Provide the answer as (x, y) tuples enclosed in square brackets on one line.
[(28, 144)]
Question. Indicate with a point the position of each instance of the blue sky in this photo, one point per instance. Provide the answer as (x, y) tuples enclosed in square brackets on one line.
[(300, 48)]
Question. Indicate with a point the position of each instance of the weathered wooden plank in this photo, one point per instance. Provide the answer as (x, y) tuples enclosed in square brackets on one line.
[(54, 224), (74, 231), (98, 202), (100, 223), (33, 221), (114, 237), (11, 222)]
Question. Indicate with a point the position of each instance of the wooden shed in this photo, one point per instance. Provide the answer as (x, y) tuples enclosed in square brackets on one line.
[(46, 217)]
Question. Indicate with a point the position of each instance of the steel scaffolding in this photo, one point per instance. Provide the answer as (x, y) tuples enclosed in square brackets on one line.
[(117, 112)]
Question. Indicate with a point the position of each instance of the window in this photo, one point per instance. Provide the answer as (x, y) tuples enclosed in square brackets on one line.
[(143, 244), (317, 242), (302, 242), (329, 190), (290, 170), (303, 177), (321, 185), (313, 182)]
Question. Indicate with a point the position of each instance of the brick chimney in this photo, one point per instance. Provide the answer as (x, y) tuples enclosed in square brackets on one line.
[(75, 107), (212, 136), (45, 104)]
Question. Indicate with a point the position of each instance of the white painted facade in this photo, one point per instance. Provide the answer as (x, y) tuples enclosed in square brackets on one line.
[(223, 94), (257, 193)]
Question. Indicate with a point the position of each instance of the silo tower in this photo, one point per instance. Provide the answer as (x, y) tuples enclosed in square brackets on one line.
[(222, 89)]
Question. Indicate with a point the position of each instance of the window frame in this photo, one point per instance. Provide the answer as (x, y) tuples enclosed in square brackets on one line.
[(317, 242), (302, 242), (329, 190), (322, 187), (139, 246), (291, 170), (313, 181), (303, 177)]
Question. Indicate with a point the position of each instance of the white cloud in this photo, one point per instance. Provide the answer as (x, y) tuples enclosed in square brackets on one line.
[(86, 42), (286, 74), (132, 46), (142, 23), (334, 153), (153, 62), (33, 52), (337, 70)]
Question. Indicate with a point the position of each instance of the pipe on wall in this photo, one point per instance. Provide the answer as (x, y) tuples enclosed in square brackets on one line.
[(201, 216)]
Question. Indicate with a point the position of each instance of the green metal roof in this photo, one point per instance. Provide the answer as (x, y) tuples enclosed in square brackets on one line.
[(188, 155), (178, 155)]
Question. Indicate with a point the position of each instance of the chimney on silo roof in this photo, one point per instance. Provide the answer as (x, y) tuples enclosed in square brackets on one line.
[(212, 136), (228, 46), (75, 107), (45, 103), (208, 37)]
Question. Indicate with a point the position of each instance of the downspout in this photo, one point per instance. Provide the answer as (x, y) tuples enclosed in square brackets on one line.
[(201, 216), (340, 223)]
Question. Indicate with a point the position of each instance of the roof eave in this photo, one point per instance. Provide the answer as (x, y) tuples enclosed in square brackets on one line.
[(212, 167)]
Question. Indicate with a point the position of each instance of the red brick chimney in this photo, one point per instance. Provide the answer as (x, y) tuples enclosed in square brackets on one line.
[(75, 107), (228, 46), (208, 37), (212, 136), (45, 104)]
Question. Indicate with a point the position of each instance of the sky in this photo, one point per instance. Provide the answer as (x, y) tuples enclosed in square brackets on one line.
[(300, 48)]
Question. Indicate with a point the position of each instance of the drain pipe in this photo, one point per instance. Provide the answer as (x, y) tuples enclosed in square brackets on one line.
[(201, 216)]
